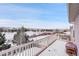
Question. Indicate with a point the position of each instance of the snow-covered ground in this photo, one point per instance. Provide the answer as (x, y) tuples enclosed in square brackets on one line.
[(9, 36), (37, 38), (56, 49), (32, 33)]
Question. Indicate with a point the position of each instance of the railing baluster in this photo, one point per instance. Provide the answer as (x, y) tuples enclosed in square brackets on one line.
[(26, 50), (22, 51), (19, 51), (32, 49)]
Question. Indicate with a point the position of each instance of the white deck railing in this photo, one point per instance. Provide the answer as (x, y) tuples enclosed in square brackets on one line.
[(29, 49)]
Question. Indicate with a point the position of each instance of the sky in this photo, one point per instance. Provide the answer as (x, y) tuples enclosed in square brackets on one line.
[(34, 15)]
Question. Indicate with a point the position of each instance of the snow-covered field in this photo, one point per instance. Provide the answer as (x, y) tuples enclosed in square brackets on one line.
[(32, 33), (9, 36)]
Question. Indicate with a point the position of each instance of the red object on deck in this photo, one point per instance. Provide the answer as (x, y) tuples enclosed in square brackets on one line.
[(71, 49)]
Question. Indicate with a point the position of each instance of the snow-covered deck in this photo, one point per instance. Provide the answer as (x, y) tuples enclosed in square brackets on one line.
[(56, 49)]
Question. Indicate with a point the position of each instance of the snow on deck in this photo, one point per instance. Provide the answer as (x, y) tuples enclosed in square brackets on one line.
[(56, 49)]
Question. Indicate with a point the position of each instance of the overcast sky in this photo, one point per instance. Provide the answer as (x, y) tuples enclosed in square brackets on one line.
[(34, 15)]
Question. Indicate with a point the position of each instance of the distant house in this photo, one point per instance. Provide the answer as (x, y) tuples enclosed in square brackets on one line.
[(74, 19)]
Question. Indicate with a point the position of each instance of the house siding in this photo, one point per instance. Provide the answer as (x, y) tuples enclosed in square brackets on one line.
[(76, 29)]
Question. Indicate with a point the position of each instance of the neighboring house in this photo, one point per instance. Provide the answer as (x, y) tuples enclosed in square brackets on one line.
[(74, 19)]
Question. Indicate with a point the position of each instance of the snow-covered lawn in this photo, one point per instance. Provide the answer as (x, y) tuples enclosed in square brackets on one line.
[(56, 49), (32, 33), (9, 36), (37, 38)]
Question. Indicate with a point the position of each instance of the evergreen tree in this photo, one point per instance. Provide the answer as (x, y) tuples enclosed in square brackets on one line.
[(2, 38), (3, 46)]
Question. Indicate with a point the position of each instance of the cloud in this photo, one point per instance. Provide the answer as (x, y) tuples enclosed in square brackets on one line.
[(31, 24)]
